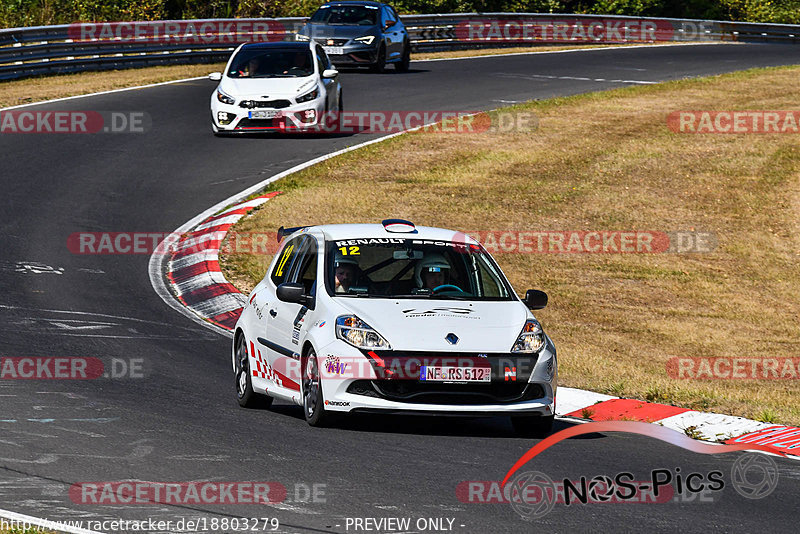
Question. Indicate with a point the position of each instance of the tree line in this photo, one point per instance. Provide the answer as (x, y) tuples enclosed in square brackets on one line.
[(16, 13)]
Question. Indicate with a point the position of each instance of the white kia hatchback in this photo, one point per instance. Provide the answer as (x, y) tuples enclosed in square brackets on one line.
[(275, 86)]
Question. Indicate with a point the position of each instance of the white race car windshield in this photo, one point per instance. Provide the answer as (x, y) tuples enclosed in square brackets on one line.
[(413, 268)]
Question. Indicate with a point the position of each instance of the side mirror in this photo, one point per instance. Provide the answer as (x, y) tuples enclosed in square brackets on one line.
[(292, 292), (330, 73), (215, 76), (534, 299)]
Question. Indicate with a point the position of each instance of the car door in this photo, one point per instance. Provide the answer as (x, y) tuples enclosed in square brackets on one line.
[(331, 84), (287, 321), (271, 309), (392, 37), (399, 33)]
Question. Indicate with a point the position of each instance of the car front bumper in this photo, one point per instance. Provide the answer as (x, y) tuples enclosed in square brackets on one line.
[(294, 117), (527, 391), (355, 55)]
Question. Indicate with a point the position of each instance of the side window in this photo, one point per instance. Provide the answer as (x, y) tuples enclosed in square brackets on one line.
[(306, 273), (282, 268), (321, 59), (489, 287), (393, 14), (326, 61), (385, 17)]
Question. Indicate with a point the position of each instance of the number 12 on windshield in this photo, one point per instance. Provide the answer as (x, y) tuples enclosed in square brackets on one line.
[(349, 251)]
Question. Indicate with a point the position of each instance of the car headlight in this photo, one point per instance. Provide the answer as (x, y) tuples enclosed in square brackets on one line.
[(308, 96), (367, 39), (301, 37), (356, 332), (224, 98), (531, 339)]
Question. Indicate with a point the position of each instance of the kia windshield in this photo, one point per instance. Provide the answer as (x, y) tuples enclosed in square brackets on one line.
[(282, 63)]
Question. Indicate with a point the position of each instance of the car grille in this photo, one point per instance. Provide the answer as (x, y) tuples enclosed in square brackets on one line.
[(449, 394), (256, 123), (272, 104)]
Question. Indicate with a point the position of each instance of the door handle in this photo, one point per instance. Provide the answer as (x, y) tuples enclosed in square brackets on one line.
[(273, 313)]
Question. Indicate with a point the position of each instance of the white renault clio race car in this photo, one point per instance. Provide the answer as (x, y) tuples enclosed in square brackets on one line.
[(275, 86), (393, 318)]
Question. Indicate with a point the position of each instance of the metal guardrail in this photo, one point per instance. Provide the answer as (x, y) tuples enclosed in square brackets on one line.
[(83, 47)]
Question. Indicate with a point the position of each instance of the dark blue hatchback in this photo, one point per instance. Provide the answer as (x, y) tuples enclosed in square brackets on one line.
[(359, 34)]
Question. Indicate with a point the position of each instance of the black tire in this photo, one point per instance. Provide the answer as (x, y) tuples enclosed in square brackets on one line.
[(334, 122), (313, 397), (533, 427), (245, 394), (404, 63), (330, 121), (380, 64)]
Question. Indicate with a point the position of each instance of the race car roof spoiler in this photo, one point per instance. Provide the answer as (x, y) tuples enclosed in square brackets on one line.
[(283, 232)]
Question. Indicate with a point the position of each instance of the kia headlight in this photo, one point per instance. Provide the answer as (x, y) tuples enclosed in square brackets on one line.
[(301, 37), (225, 98), (356, 332), (531, 339), (308, 96), (367, 39)]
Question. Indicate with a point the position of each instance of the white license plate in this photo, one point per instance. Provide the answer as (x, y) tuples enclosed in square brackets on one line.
[(430, 373), (267, 114), (333, 50)]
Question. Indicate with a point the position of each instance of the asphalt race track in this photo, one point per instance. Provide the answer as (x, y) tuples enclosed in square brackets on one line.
[(180, 420)]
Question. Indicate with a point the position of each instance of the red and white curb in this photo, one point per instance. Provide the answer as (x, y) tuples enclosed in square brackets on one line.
[(700, 425), (194, 273)]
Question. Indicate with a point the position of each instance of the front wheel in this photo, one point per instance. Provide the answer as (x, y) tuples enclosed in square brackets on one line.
[(404, 64), (380, 64), (313, 402), (533, 427), (245, 394)]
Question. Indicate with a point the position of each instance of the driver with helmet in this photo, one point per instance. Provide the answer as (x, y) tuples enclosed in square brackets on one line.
[(432, 271)]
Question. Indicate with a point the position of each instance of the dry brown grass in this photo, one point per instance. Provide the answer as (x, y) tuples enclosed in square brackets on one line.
[(606, 161)]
